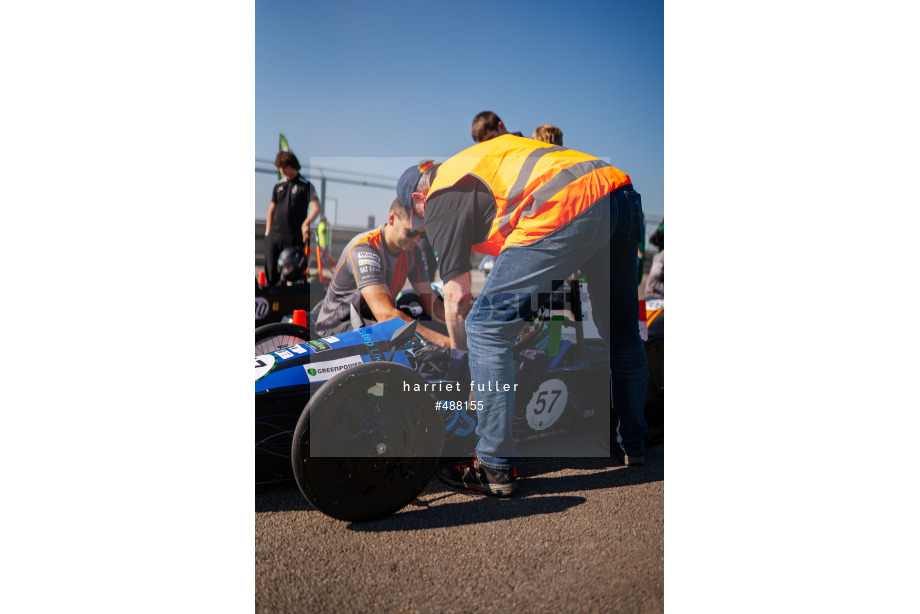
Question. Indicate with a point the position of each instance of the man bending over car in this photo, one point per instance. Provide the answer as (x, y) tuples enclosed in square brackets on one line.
[(372, 270), (544, 211)]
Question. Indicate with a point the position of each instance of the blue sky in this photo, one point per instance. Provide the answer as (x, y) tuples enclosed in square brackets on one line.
[(367, 88)]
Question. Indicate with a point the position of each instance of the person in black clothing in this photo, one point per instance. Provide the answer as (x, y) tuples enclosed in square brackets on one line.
[(293, 208)]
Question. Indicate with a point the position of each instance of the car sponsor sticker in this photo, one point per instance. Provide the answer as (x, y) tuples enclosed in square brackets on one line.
[(331, 339), (261, 308), (318, 344), (284, 354), (264, 364), (298, 349), (321, 371), (547, 404)]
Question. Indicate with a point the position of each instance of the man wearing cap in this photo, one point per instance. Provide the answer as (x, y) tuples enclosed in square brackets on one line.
[(545, 212), (372, 270)]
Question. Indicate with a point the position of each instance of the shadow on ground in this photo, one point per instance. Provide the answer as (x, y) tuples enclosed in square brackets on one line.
[(440, 505)]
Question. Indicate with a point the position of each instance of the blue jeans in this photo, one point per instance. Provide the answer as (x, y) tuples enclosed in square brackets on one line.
[(602, 241)]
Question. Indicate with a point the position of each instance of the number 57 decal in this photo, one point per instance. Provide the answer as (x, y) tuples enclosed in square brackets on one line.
[(547, 404)]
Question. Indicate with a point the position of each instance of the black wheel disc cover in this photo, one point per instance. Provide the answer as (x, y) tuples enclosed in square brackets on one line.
[(351, 416)]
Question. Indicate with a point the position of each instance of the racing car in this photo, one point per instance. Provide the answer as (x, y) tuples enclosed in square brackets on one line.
[(361, 418)]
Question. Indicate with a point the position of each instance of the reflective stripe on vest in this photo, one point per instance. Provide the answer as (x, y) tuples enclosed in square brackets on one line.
[(536, 188)]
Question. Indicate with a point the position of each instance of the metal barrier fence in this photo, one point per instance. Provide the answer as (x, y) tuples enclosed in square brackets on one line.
[(341, 235)]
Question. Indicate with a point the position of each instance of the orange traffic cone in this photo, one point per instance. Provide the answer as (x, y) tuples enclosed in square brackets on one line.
[(300, 317)]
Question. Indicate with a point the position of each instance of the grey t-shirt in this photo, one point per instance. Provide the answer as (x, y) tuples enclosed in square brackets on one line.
[(367, 261)]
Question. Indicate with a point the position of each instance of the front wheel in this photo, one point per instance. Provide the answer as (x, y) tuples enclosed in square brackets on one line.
[(368, 442)]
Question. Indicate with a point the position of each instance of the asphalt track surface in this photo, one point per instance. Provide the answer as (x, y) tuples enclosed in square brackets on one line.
[(580, 535)]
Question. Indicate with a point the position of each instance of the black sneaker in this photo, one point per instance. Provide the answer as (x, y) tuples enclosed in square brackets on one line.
[(470, 474), (630, 460)]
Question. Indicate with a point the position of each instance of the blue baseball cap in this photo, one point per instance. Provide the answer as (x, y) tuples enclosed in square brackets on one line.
[(404, 189)]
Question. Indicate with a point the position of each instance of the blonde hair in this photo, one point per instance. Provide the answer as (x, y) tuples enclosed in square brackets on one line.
[(548, 133)]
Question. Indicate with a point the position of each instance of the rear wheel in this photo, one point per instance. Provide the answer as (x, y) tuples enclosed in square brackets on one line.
[(272, 337), (368, 442)]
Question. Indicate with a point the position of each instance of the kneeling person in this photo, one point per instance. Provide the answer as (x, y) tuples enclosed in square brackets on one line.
[(372, 270)]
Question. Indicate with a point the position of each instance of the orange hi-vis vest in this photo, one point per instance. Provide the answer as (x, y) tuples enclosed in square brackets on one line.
[(536, 187)]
